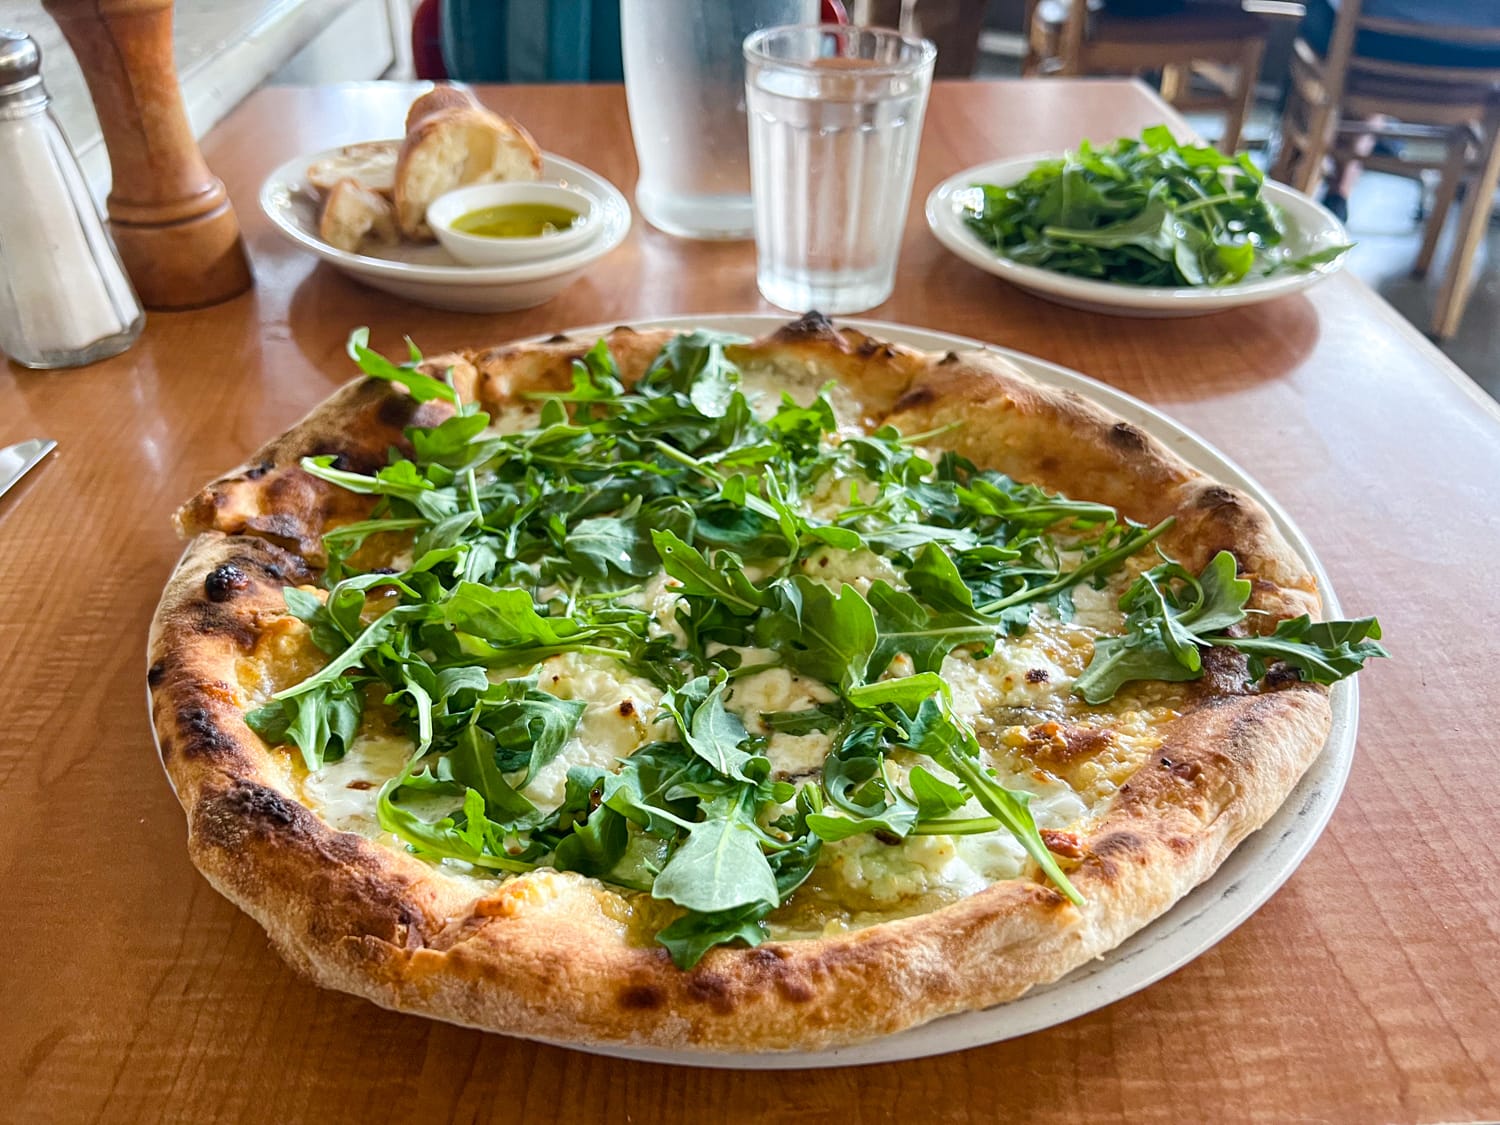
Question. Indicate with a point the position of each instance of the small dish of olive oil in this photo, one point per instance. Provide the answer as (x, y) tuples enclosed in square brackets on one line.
[(496, 224), (516, 220)]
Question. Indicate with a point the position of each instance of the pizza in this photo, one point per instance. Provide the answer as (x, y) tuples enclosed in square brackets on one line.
[(678, 689)]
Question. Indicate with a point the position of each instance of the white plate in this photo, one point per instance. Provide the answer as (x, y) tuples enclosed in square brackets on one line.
[(428, 274), (1309, 228), (1250, 875)]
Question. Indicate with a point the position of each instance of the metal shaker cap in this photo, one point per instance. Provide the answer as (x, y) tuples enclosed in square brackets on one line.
[(20, 68)]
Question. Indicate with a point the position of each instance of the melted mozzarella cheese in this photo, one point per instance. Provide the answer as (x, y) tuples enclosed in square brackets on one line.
[(764, 384), (344, 792), (615, 723)]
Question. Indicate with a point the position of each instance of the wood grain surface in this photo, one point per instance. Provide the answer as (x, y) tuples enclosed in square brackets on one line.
[(1365, 990)]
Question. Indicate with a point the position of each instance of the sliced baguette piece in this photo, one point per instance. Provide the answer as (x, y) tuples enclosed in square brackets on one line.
[(439, 98), (353, 214), (453, 148), (372, 164)]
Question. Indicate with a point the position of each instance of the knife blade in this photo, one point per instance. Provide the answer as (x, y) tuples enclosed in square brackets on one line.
[(19, 459)]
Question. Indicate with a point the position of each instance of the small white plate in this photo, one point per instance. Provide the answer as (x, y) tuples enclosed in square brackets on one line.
[(428, 274), (1207, 914), (1309, 228)]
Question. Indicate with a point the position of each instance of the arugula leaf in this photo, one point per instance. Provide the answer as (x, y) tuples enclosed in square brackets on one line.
[(422, 387), (612, 545), (936, 734), (692, 935), (472, 764), (729, 586), (935, 797), (1322, 652), (827, 635), (463, 836), (1118, 661), (710, 730), (1172, 615), (322, 723), (905, 692), (1140, 212), (721, 866)]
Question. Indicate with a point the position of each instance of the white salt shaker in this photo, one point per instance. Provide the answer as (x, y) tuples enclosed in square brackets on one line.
[(64, 297)]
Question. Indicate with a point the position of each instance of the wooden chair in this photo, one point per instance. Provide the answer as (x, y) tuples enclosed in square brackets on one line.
[(1333, 95), (1220, 42)]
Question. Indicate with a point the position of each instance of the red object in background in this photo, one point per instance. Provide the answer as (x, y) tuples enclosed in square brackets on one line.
[(427, 35), (427, 40)]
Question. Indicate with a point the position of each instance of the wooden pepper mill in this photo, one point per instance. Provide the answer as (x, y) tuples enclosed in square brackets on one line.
[(171, 218)]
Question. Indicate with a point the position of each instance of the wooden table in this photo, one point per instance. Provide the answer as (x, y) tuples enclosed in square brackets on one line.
[(1365, 990)]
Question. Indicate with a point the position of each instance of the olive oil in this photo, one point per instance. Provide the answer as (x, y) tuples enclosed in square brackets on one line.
[(516, 220)]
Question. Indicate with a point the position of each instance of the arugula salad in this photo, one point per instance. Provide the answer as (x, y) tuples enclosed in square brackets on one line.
[(1141, 212), (521, 546)]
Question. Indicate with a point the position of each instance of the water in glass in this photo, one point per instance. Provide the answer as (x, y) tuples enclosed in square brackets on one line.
[(685, 85), (833, 144)]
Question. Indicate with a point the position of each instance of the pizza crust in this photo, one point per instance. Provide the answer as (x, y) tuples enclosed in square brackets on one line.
[(553, 956)]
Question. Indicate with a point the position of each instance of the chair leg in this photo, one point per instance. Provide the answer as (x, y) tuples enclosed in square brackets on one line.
[(1454, 167), (1174, 82), (1474, 221), (1321, 122), (1242, 100), (1287, 149)]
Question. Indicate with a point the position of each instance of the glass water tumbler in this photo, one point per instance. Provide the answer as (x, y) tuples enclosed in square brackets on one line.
[(835, 121), (685, 84)]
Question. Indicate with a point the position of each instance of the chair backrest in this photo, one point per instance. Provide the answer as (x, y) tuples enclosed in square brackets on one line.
[(532, 41), (1344, 59)]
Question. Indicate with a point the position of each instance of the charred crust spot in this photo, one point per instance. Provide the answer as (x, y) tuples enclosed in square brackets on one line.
[(627, 708), (156, 673), (1180, 844), (1121, 845), (203, 735), (950, 357), (223, 582), (1126, 436), (1225, 672), (1036, 675), (1188, 771), (558, 338), (1279, 677), (917, 396), (395, 411), (415, 938), (811, 325), (258, 470), (258, 804), (867, 348), (641, 998), (712, 989), (796, 990), (1216, 496)]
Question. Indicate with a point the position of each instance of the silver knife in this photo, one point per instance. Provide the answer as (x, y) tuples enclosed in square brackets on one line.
[(19, 459)]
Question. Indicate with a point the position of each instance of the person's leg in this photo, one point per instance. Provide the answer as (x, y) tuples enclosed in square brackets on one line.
[(1348, 162)]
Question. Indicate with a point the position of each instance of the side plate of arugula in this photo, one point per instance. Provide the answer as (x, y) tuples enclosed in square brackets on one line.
[(1104, 228)]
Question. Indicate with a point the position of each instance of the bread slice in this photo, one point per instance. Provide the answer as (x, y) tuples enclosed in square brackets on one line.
[(452, 148), (439, 98), (353, 213), (372, 164)]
